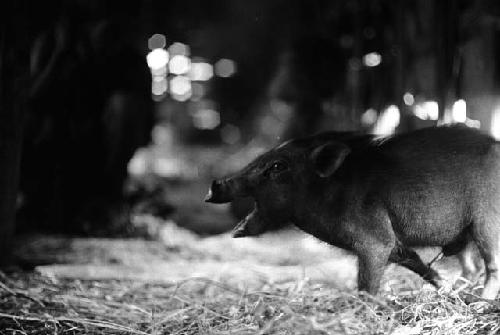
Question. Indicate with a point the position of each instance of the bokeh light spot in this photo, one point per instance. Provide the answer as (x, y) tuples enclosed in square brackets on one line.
[(225, 68)]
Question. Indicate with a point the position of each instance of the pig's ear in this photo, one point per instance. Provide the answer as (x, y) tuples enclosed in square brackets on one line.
[(327, 158)]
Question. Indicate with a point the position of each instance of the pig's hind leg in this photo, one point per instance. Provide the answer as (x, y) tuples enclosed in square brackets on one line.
[(470, 262), (486, 234), (408, 258)]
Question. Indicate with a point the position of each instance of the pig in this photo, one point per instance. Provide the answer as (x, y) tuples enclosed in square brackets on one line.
[(379, 198)]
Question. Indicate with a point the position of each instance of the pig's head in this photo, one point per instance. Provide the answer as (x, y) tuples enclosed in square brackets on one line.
[(279, 181)]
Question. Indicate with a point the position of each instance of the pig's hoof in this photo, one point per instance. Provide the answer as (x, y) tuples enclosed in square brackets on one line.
[(444, 286), (482, 307)]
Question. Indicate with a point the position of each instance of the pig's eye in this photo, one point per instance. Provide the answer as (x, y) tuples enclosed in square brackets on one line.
[(278, 166)]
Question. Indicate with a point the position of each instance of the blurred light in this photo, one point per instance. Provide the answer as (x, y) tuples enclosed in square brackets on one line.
[(447, 117), (179, 64), (206, 118), (473, 123), (157, 41), (427, 110), (198, 91), (225, 68), (138, 164), (387, 121), (180, 88), (162, 135), (166, 167), (372, 59), (432, 108), (201, 71), (230, 134), (408, 99), (420, 112), (179, 48), (159, 87), (183, 97), (180, 85), (459, 111), (157, 59), (160, 72), (369, 117), (495, 123)]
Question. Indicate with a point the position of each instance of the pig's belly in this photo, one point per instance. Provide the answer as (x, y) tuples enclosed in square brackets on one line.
[(436, 222)]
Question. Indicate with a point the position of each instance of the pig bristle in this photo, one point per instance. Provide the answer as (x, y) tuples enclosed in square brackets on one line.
[(280, 146)]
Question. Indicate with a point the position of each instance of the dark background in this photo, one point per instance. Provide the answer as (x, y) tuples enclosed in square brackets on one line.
[(76, 103)]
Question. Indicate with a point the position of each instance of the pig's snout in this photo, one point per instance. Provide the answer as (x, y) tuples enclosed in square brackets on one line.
[(221, 191)]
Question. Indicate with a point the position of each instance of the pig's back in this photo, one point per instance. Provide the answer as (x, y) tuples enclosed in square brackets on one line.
[(438, 141), (440, 152)]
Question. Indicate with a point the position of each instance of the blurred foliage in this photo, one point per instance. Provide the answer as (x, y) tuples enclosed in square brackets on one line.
[(77, 68)]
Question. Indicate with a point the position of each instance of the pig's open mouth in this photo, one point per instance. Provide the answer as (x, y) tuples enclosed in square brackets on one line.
[(252, 225), (240, 229), (223, 192)]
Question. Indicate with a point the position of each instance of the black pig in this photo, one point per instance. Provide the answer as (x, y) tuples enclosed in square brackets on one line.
[(378, 198)]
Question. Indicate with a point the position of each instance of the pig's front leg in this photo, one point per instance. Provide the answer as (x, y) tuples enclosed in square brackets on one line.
[(372, 261)]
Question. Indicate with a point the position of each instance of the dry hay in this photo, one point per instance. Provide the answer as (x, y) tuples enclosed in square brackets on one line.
[(34, 304)]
